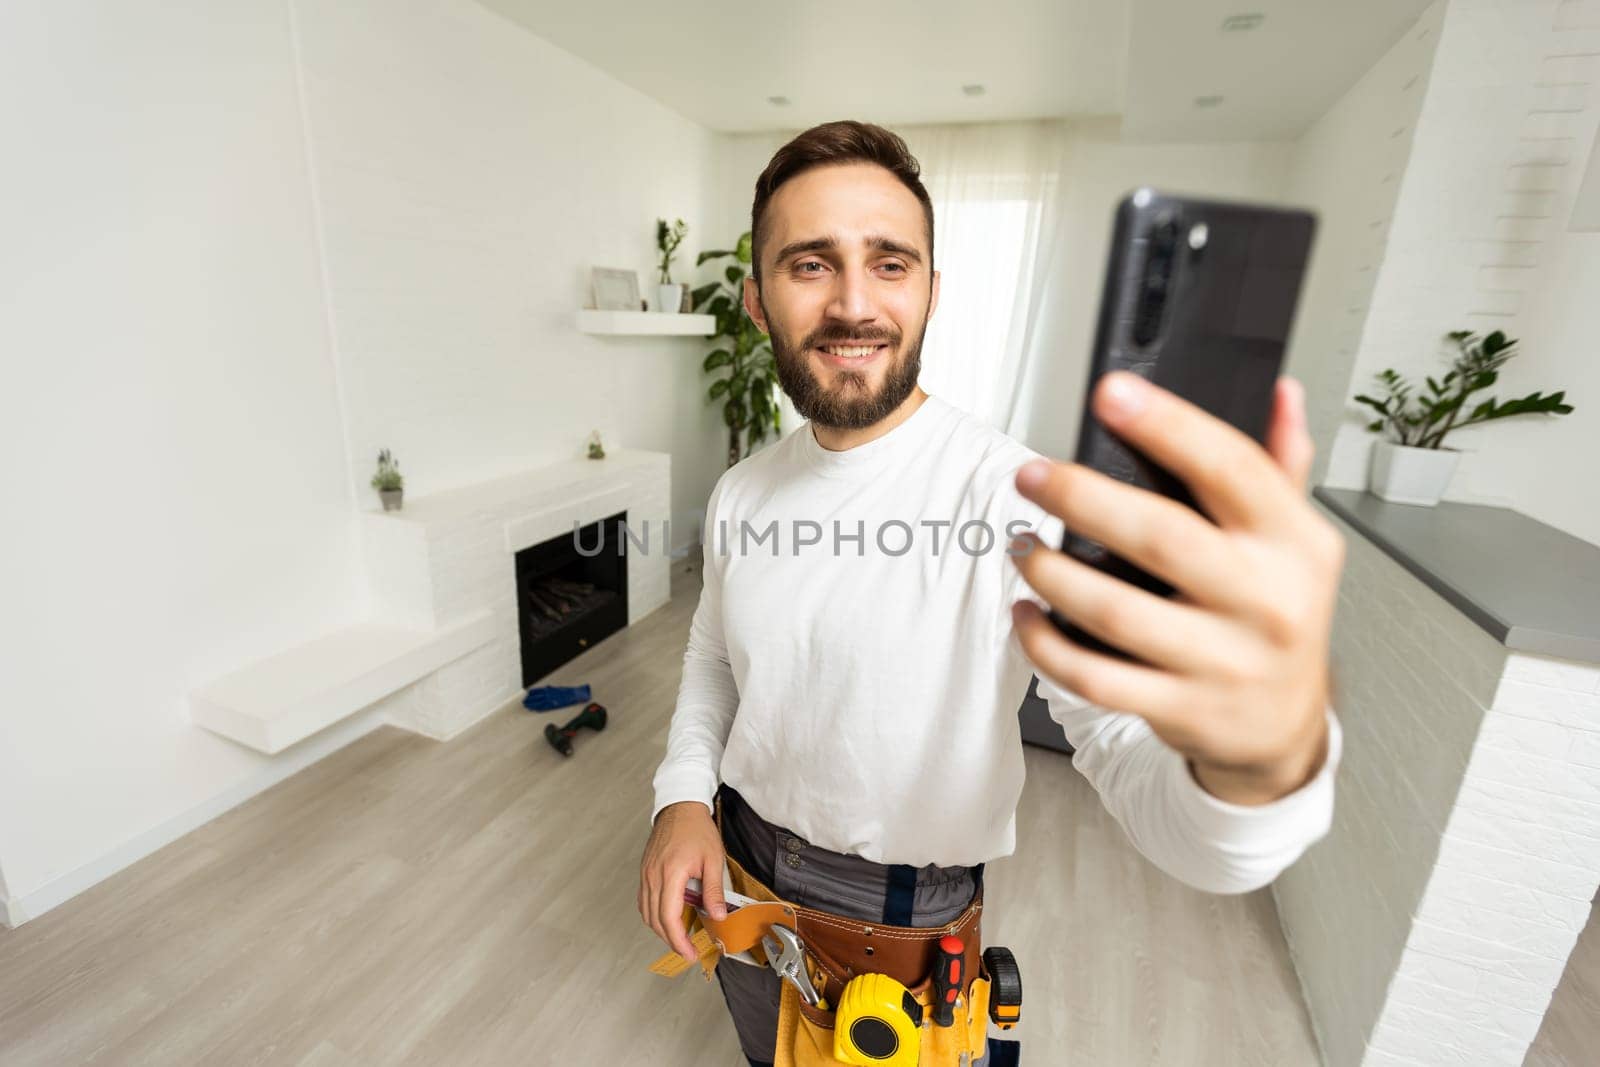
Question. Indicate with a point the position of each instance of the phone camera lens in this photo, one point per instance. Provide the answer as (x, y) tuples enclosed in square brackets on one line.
[(1156, 280)]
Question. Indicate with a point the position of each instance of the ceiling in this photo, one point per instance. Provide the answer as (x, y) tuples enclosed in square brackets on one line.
[(906, 61), (1274, 80)]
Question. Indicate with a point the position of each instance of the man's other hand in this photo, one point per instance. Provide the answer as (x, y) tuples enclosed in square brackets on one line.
[(1235, 664), (683, 844)]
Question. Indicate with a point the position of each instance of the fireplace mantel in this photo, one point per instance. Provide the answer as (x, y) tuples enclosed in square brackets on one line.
[(449, 555), (549, 484), (441, 648)]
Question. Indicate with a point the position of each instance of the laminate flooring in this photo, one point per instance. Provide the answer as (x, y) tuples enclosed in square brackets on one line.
[(406, 901), (1570, 1033)]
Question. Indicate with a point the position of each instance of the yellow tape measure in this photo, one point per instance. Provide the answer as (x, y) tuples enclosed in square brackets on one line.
[(878, 1022)]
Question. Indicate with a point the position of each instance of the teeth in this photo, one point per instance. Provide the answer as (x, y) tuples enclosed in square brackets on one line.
[(853, 352)]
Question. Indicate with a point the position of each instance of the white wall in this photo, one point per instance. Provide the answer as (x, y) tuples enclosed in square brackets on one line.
[(1348, 168), (171, 419), (1547, 466), (180, 395), (470, 175), (1478, 241)]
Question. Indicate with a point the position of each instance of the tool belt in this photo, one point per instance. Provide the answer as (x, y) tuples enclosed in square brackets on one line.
[(837, 950)]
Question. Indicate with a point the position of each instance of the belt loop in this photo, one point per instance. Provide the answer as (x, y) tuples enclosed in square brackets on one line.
[(898, 900)]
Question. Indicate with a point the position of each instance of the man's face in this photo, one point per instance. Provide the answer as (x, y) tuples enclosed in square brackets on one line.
[(845, 267)]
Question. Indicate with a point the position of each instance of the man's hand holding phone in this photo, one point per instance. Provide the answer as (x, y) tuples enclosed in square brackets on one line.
[(1235, 664)]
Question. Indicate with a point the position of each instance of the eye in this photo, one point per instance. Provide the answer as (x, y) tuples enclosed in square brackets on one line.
[(801, 268), (897, 266)]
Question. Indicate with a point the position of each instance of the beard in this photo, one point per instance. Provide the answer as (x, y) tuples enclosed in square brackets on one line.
[(851, 403)]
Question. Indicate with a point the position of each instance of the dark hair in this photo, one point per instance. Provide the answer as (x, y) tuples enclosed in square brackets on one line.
[(846, 141)]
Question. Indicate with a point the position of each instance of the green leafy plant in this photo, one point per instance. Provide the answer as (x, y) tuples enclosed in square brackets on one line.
[(1422, 419), (744, 354), (667, 241), (388, 474)]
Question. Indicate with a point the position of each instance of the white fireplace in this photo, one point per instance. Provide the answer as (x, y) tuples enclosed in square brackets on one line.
[(451, 556)]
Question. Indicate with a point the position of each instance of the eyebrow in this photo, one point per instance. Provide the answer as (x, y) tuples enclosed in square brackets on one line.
[(830, 243)]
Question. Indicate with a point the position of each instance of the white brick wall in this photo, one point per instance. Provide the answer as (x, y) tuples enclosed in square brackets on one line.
[(1411, 678), (1348, 168), (1517, 868), (1434, 922), (1476, 241), (453, 554)]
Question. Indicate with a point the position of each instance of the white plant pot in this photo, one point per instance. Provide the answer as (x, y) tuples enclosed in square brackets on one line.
[(1402, 474), (668, 297)]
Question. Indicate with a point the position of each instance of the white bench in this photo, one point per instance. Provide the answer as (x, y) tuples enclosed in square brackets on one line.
[(272, 703)]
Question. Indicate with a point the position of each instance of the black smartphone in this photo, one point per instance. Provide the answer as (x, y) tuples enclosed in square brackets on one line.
[(1199, 297)]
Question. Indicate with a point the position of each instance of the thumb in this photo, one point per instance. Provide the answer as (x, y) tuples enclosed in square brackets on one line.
[(1288, 439), (711, 887)]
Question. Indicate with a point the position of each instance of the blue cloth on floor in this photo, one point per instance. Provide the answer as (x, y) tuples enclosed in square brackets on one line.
[(550, 697)]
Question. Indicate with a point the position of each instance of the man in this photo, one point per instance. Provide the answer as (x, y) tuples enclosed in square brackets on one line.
[(853, 684)]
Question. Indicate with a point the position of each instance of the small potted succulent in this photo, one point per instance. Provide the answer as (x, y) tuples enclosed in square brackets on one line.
[(389, 483), (1411, 465), (669, 295)]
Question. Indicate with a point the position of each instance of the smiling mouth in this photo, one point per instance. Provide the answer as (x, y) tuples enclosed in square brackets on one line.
[(851, 351)]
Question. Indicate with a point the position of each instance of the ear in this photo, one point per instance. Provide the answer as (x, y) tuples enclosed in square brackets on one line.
[(752, 304), (933, 297)]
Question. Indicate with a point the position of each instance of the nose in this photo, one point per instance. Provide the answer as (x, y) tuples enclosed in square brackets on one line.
[(852, 296)]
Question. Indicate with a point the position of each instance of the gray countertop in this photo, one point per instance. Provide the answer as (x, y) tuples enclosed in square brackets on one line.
[(1531, 586)]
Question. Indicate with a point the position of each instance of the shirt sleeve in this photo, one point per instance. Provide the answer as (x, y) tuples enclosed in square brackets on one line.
[(1148, 787), (708, 696), (1198, 838)]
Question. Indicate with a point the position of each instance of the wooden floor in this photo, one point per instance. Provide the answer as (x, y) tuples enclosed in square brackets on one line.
[(1571, 1029), (472, 902)]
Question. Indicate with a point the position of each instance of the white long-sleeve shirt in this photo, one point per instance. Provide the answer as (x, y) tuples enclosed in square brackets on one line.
[(852, 668)]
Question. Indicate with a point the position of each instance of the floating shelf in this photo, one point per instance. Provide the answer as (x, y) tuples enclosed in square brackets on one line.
[(272, 703), (646, 323)]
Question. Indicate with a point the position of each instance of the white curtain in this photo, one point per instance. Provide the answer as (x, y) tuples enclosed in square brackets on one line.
[(998, 191)]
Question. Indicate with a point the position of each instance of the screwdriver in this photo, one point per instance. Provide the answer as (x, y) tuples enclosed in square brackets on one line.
[(948, 978)]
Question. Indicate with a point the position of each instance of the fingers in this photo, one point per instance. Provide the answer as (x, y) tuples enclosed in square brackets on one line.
[(1164, 537), (1288, 437), (1161, 631), (1155, 695), (670, 914), (651, 905), (711, 887), (652, 881), (1231, 476)]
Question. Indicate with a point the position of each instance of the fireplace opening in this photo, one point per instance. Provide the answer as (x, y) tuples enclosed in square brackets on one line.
[(569, 601)]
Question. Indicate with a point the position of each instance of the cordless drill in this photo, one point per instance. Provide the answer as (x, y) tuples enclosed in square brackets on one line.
[(560, 737)]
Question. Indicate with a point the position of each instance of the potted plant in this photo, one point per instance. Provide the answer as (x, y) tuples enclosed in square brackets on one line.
[(389, 483), (669, 295), (1411, 465), (749, 399)]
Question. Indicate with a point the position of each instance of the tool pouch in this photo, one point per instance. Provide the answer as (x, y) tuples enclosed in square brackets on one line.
[(838, 949), (805, 1034)]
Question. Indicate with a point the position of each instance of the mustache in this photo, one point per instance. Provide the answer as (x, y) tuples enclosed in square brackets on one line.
[(847, 338)]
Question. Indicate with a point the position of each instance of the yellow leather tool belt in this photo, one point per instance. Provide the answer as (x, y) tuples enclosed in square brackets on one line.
[(838, 949)]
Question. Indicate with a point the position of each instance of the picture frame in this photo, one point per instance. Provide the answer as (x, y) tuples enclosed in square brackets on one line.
[(615, 289)]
